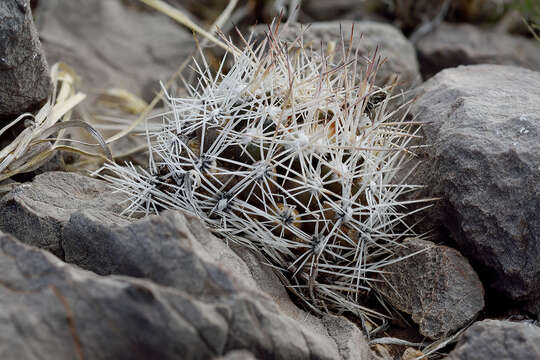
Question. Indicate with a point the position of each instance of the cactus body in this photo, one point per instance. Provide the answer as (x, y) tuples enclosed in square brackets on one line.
[(294, 157)]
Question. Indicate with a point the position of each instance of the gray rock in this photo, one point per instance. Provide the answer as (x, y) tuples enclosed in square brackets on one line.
[(25, 83), (160, 248), (346, 336), (163, 249), (36, 212), (437, 286), (482, 123), (176, 250), (145, 47), (494, 339), (392, 45), (451, 45), (49, 307)]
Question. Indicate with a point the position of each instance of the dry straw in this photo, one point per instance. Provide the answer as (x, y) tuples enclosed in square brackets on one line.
[(32, 147)]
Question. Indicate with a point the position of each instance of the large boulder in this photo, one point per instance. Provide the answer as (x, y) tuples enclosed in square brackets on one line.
[(173, 250), (495, 339), (368, 36), (60, 310), (451, 45), (436, 285), (176, 250), (482, 125), (25, 83)]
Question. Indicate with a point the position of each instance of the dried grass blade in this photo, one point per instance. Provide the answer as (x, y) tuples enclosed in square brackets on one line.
[(87, 127), (180, 17)]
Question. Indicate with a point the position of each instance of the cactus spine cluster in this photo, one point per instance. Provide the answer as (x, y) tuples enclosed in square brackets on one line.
[(293, 156)]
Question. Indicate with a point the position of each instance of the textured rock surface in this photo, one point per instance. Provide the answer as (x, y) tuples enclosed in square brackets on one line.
[(494, 339), (176, 250), (145, 47), (162, 249), (398, 51), (24, 75), (451, 45), (68, 313), (437, 286), (483, 125), (36, 212)]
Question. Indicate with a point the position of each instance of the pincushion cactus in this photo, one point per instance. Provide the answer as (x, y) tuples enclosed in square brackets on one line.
[(292, 156)]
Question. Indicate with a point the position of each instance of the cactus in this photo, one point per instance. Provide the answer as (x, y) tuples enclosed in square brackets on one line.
[(293, 156)]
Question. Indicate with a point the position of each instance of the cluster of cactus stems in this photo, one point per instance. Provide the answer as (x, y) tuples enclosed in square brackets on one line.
[(293, 156)]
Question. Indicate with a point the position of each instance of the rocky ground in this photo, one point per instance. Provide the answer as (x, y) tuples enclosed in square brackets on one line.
[(80, 281)]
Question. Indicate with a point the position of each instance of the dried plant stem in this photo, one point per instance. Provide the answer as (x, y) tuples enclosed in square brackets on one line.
[(28, 151)]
